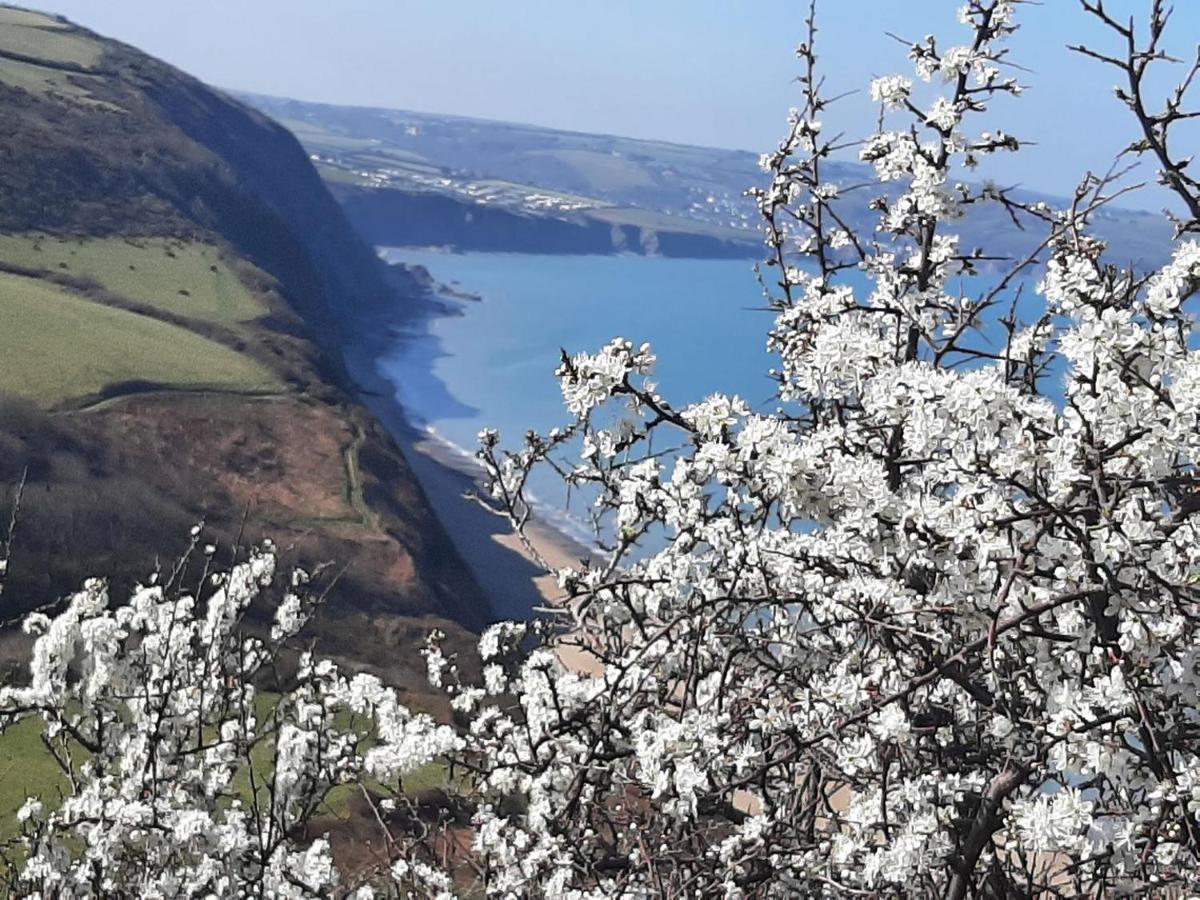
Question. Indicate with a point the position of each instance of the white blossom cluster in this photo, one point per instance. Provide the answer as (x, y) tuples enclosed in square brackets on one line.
[(589, 379), (932, 628), (180, 779)]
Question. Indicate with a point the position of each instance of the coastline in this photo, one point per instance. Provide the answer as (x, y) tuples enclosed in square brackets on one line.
[(510, 579)]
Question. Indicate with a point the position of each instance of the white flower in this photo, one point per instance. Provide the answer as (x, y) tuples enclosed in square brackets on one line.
[(288, 619), (31, 810), (1053, 822), (943, 114), (891, 90), (716, 413), (587, 380)]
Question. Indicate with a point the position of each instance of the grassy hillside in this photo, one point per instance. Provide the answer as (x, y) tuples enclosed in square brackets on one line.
[(187, 278), (56, 345), (47, 41), (175, 287), (553, 185)]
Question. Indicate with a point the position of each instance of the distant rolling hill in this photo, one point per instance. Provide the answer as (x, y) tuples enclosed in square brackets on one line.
[(418, 178), (424, 179), (175, 284)]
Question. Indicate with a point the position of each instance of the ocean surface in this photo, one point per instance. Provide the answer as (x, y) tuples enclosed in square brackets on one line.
[(492, 363), (495, 361)]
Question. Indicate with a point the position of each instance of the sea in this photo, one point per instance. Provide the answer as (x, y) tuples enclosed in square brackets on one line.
[(489, 362)]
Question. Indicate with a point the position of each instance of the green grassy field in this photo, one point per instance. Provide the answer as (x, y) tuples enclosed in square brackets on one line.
[(41, 37), (340, 176), (55, 346), (330, 140), (44, 80), (188, 279), (399, 159), (26, 770), (10, 16), (605, 171)]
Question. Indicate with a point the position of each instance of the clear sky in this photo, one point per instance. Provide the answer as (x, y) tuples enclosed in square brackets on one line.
[(716, 72)]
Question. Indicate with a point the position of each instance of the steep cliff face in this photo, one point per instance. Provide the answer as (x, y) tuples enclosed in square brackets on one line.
[(154, 151), (134, 200)]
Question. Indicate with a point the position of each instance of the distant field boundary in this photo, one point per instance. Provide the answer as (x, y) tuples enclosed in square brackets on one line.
[(114, 393), (42, 62)]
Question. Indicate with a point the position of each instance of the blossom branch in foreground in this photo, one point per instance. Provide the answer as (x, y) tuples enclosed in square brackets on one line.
[(930, 629), (181, 778)]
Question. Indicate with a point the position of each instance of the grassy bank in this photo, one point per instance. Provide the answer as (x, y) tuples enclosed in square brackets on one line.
[(185, 278)]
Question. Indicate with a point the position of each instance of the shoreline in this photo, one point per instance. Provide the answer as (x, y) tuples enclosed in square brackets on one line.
[(511, 581)]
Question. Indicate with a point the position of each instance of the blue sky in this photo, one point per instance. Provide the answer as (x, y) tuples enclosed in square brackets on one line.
[(715, 72)]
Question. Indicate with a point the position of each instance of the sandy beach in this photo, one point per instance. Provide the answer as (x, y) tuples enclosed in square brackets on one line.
[(507, 574)]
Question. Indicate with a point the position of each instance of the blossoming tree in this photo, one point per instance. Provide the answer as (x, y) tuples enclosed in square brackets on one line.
[(931, 628), (180, 779)]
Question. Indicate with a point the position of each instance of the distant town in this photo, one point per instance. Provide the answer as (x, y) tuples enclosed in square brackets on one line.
[(727, 209)]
